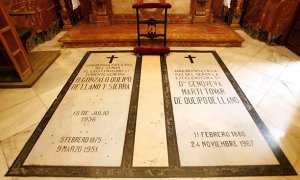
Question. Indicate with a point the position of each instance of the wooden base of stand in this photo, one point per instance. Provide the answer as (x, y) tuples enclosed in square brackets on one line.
[(40, 61), (151, 50), (96, 19)]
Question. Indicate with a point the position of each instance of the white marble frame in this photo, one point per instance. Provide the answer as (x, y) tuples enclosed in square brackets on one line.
[(174, 169)]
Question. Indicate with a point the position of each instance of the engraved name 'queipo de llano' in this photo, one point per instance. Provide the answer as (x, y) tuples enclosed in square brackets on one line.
[(104, 77), (201, 87)]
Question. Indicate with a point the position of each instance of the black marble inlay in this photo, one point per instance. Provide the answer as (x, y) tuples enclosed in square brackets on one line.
[(126, 170)]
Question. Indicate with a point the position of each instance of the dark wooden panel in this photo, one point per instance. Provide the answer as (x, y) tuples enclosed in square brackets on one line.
[(40, 60), (293, 40), (13, 46)]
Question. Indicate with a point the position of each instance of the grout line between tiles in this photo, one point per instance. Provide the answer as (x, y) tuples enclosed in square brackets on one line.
[(6, 163), (1, 111), (276, 79)]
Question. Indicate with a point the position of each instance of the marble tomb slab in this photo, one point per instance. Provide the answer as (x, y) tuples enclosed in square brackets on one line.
[(180, 115)]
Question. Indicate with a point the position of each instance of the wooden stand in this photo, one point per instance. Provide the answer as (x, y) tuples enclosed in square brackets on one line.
[(151, 29), (65, 15), (99, 13), (17, 68), (12, 46), (237, 14), (203, 13)]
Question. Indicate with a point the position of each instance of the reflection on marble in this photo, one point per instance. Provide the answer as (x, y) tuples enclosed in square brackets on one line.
[(291, 73), (287, 142), (253, 96), (282, 114)]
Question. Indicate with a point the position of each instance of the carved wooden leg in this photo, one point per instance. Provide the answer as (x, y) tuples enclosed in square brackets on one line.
[(65, 15), (235, 24)]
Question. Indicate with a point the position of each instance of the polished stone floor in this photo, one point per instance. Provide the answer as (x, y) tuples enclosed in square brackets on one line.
[(268, 76)]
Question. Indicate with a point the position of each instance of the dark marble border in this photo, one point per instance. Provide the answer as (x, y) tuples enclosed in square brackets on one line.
[(173, 153), (174, 170), (127, 158)]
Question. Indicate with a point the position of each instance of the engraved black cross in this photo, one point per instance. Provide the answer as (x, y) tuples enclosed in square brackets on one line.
[(111, 58), (191, 58)]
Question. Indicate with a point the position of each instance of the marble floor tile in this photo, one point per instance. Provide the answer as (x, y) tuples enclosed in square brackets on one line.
[(288, 143), (55, 76), (280, 106), (244, 35), (280, 115), (234, 61), (272, 54), (12, 97), (20, 117), (291, 73), (13, 145), (266, 67), (286, 52), (253, 79), (49, 96), (253, 96), (3, 166), (297, 167), (251, 47), (73, 57), (285, 92)]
